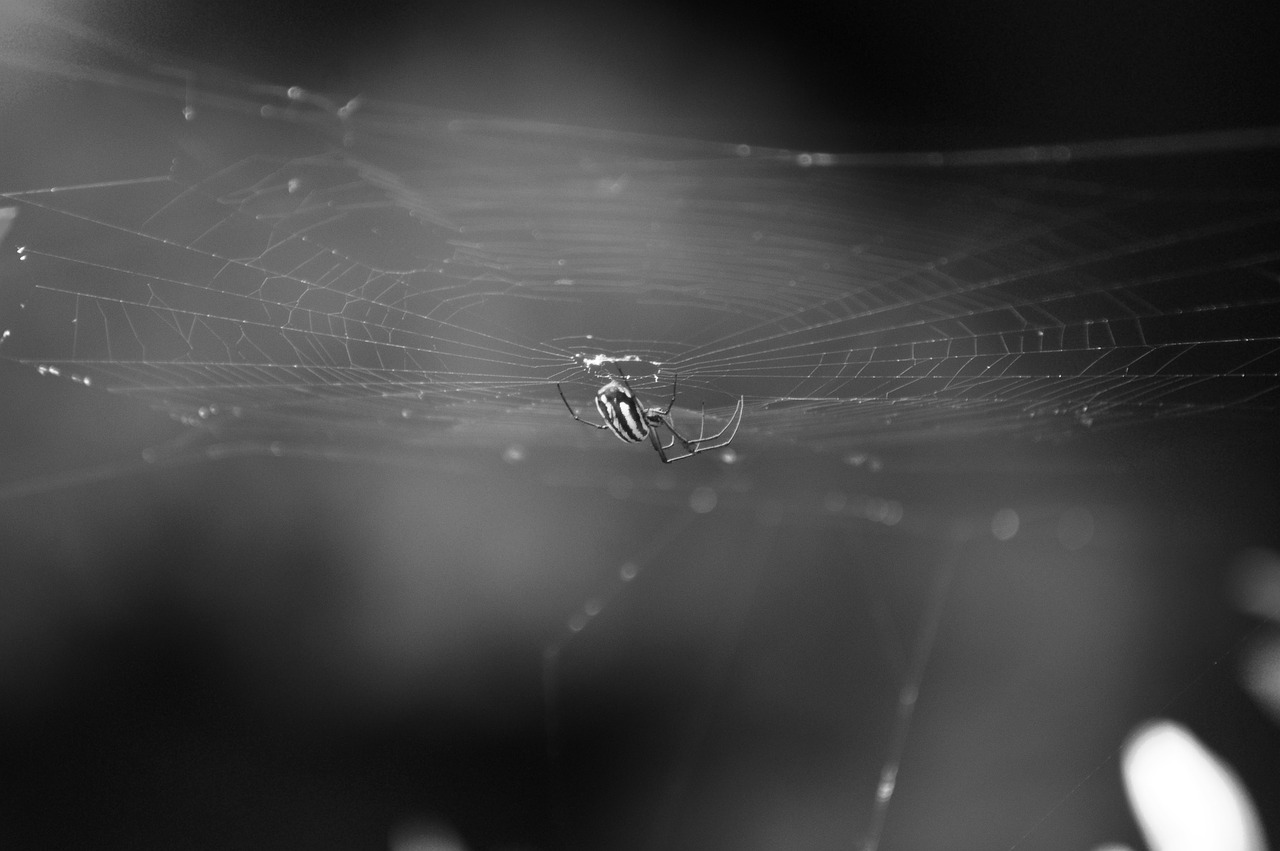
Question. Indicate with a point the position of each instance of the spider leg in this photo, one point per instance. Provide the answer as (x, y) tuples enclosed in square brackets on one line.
[(735, 420), (575, 413), (706, 442), (657, 444), (690, 446), (675, 382)]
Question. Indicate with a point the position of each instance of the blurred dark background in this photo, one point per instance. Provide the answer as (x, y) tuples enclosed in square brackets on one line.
[(300, 653), (808, 75)]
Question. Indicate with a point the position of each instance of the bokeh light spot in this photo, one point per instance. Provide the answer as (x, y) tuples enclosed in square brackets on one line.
[(1183, 797), (1004, 525), (703, 499)]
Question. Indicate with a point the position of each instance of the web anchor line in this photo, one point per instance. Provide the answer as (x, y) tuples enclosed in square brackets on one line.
[(909, 693)]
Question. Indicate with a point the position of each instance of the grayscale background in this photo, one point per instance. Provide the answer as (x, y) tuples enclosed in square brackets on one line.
[(300, 549)]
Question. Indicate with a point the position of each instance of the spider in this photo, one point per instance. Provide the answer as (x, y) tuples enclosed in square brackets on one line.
[(632, 422)]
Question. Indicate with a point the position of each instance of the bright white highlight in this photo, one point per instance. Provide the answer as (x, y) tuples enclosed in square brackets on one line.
[(1183, 796), (603, 360)]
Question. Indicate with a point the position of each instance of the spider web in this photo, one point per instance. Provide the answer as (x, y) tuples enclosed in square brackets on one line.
[(281, 270), (304, 265)]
